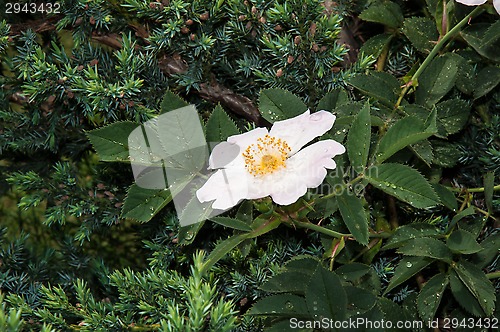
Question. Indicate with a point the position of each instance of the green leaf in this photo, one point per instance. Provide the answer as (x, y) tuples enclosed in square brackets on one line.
[(422, 33), (376, 44), (325, 295), (490, 247), (404, 132), (231, 223), (437, 79), (404, 183), (411, 231), (358, 139), (387, 13), (446, 196), (303, 264), (382, 86), (484, 38), (466, 78), (486, 80), (407, 268), (220, 126), (278, 104), (463, 242), (489, 184), (464, 297), (467, 212), (263, 224), (426, 247), (188, 233), (452, 115), (354, 216), (353, 271), (221, 249), (280, 305), (478, 284), (423, 150), (430, 296), (111, 142), (359, 300), (446, 154), (171, 102), (142, 204), (333, 99), (245, 212), (286, 282)]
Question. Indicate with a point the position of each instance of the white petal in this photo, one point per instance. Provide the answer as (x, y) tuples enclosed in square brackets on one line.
[(472, 2), (227, 187), (302, 129), (305, 169), (226, 155), (250, 137), (496, 4)]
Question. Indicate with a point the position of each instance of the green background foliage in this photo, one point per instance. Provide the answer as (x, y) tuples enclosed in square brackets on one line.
[(405, 228)]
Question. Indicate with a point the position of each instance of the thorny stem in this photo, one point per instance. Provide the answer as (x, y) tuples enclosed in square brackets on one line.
[(436, 50)]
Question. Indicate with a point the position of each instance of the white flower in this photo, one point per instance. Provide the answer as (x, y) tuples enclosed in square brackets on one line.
[(496, 3), (259, 163)]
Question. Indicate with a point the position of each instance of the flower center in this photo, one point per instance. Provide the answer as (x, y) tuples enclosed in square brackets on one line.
[(266, 156)]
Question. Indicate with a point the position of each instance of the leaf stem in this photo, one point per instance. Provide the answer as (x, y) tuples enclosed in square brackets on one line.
[(436, 49), (493, 275), (473, 190)]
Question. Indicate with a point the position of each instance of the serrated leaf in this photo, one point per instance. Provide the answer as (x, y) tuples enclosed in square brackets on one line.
[(231, 223), (387, 13), (142, 204), (221, 249), (466, 78), (245, 212), (302, 263), (452, 115), (354, 216), (426, 247), (376, 44), (382, 86), (430, 296), (463, 242), (478, 284), (333, 99), (286, 282), (437, 79), (111, 142), (404, 183), (486, 80), (278, 104), (353, 271), (490, 251), (411, 231), (325, 295), (280, 305), (484, 38), (220, 126), (463, 296), (407, 268), (422, 33), (323, 208), (446, 154), (423, 150), (358, 139), (404, 132), (171, 102), (446, 196), (359, 300)]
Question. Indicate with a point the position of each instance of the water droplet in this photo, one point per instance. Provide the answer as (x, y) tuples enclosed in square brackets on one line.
[(315, 308), (409, 264), (289, 305)]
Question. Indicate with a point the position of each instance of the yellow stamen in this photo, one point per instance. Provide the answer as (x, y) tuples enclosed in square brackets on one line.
[(266, 156)]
